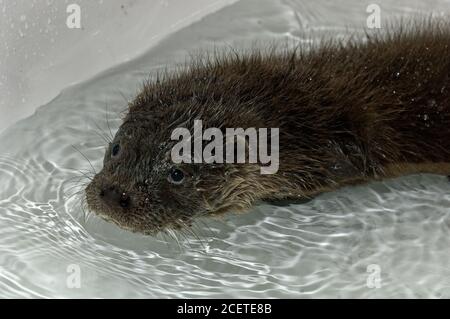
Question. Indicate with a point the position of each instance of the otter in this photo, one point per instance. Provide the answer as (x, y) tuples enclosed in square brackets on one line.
[(347, 113)]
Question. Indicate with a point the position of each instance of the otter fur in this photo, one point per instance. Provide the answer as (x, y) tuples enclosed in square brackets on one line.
[(347, 113)]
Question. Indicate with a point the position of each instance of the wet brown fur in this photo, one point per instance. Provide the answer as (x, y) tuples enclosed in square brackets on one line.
[(348, 113)]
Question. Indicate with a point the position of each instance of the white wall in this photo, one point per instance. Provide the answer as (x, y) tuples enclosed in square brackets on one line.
[(40, 55)]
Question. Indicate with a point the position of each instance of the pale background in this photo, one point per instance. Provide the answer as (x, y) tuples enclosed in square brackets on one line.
[(40, 55)]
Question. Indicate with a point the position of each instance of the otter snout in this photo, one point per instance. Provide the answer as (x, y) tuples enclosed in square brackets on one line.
[(114, 196)]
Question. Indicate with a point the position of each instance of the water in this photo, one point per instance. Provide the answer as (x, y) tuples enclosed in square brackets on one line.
[(397, 231)]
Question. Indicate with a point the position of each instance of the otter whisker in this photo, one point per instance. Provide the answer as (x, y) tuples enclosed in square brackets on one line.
[(80, 202), (127, 102), (167, 239), (173, 235), (77, 188), (73, 184), (185, 237), (88, 215), (77, 169), (104, 136), (77, 193), (204, 224), (107, 141), (190, 230), (107, 121), (95, 172), (83, 210), (88, 175), (76, 179)]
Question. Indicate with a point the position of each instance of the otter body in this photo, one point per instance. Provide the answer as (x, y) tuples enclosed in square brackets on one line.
[(346, 114)]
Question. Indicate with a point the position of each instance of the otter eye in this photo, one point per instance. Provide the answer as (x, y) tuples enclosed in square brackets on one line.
[(115, 150), (176, 176)]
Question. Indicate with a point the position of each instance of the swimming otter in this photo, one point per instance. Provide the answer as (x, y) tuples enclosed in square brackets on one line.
[(346, 113)]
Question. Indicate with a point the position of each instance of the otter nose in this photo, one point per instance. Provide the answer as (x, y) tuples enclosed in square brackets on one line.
[(115, 196)]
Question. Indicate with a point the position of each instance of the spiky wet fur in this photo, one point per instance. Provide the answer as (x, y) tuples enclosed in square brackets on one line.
[(347, 113)]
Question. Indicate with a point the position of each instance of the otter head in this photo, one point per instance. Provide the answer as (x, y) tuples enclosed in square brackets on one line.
[(141, 188)]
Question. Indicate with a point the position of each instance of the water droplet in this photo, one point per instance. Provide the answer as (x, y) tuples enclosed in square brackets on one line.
[(432, 102)]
